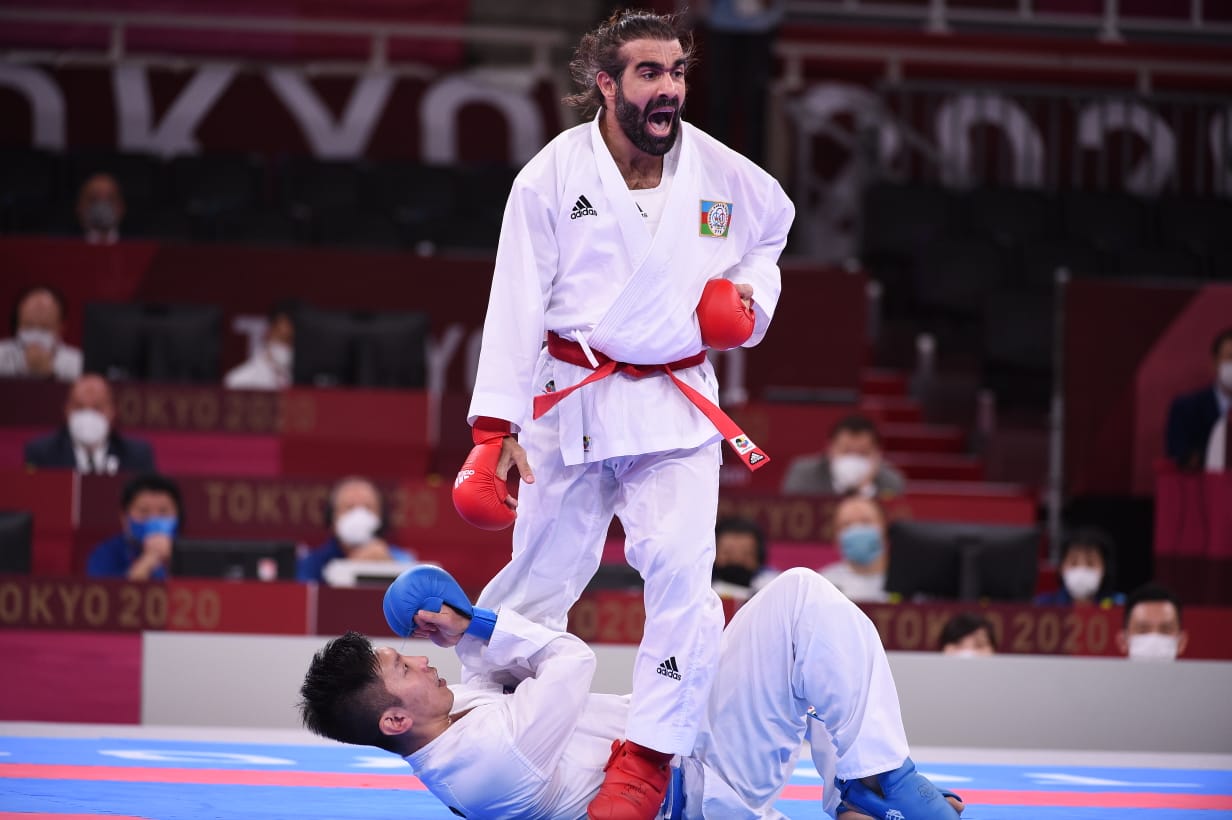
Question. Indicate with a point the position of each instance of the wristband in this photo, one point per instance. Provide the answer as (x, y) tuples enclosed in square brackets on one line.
[(483, 621), (487, 428)]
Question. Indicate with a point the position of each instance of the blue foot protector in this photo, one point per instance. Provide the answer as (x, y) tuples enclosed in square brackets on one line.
[(905, 795)]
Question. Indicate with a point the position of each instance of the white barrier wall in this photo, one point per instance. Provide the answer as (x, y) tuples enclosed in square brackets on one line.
[(1005, 702)]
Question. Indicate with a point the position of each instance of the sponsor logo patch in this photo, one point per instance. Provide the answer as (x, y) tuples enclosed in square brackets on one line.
[(582, 208), (462, 476), (669, 669), (715, 218), (742, 444), (755, 458)]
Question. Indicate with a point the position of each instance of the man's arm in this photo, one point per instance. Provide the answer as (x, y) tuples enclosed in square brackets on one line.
[(555, 669), (526, 260), (760, 265)]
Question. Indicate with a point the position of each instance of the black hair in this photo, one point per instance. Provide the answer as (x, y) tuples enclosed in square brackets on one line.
[(343, 696), (856, 425), (152, 483), (735, 525), (284, 307), (599, 50), (1224, 335), (1103, 543), (1151, 592), (26, 293), (964, 624)]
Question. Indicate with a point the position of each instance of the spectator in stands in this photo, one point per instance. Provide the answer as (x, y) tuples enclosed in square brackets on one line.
[(100, 209), (37, 348), (269, 368), (860, 529), (739, 559), (852, 463), (87, 441), (150, 516), (1192, 416), (1087, 569), (356, 514), (1152, 629), (968, 635)]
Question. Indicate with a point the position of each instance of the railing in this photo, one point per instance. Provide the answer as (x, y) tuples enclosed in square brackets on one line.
[(938, 16), (376, 34)]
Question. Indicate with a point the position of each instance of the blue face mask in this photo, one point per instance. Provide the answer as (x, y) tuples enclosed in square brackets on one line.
[(861, 543), (159, 525)]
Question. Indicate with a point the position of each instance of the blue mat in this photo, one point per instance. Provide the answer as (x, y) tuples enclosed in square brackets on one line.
[(231, 781)]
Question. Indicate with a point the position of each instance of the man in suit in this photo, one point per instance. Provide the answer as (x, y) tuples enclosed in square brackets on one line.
[(1192, 415), (86, 441)]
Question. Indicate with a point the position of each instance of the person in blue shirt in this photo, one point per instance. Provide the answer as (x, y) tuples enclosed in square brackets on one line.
[(150, 513), (1087, 570), (356, 515)]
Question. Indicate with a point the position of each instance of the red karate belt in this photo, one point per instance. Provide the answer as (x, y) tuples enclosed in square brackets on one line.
[(571, 352)]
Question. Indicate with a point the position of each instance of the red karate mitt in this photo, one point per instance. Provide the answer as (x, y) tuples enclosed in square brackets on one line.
[(725, 321)]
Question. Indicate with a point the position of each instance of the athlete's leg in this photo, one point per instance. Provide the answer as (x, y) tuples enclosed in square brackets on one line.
[(667, 503)]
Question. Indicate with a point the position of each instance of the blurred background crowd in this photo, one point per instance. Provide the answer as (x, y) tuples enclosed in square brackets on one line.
[(246, 258)]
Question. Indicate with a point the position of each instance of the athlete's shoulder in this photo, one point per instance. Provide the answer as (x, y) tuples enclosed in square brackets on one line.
[(717, 156)]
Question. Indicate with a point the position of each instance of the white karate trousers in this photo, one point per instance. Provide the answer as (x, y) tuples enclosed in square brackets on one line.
[(797, 643), (667, 503)]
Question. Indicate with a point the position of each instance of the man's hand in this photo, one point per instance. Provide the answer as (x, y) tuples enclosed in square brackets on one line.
[(444, 628), (745, 292), (513, 454), (155, 553), (375, 550), (39, 360)]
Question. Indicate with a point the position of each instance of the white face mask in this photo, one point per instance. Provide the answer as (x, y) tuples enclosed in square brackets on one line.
[(965, 653), (1225, 376), (88, 428), (1152, 646), (356, 526), (280, 354), (850, 471), (1082, 582), (36, 337)]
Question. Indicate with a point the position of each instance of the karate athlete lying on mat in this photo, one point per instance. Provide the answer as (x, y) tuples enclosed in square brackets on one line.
[(488, 750)]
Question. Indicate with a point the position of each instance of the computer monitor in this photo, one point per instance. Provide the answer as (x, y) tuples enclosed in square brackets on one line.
[(233, 560), (16, 538), (335, 348), (963, 561), (156, 343)]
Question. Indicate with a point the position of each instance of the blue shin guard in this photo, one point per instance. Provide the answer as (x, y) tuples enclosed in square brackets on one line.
[(905, 794)]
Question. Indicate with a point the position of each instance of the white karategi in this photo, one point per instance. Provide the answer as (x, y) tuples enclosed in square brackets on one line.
[(539, 752), (576, 258)]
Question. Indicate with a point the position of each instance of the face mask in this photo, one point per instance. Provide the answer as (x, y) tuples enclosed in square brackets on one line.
[(964, 653), (1152, 646), (849, 472), (88, 428), (733, 574), (861, 543), (1225, 376), (158, 525), (280, 354), (101, 215), (1082, 582), (356, 526), (35, 337)]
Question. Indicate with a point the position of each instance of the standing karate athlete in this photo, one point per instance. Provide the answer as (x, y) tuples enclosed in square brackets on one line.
[(610, 237)]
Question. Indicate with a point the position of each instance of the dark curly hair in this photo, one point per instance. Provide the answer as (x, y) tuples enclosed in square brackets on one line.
[(599, 50)]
